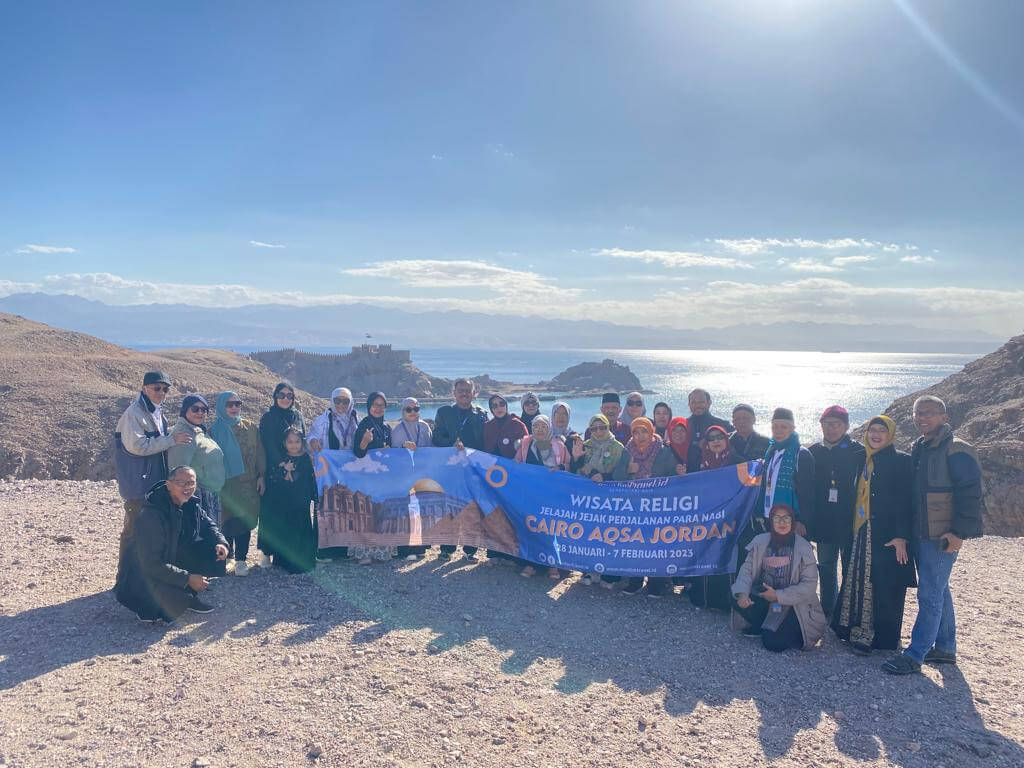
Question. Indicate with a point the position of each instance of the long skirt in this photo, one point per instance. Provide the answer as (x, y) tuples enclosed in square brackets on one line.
[(868, 615), (286, 529), (210, 502)]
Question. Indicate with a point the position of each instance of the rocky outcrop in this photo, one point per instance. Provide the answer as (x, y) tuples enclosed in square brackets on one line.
[(61, 394), (985, 402), (606, 375), (368, 368)]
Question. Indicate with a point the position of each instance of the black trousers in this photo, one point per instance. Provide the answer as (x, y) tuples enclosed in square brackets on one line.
[(238, 536), (405, 551), (450, 548), (201, 559), (788, 635)]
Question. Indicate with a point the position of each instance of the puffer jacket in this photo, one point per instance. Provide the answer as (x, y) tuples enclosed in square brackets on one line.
[(947, 487), (202, 454)]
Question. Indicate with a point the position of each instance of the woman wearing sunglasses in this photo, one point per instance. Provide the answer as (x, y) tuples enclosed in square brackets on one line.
[(336, 427), (411, 433), (279, 418), (202, 454), (245, 466)]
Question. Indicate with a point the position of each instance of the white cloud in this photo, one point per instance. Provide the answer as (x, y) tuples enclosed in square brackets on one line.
[(49, 249), (675, 259), (808, 265), (752, 245), (465, 273), (365, 464), (916, 258), (845, 261), (260, 244)]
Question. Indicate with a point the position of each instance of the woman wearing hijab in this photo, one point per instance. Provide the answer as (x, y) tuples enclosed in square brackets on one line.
[(660, 417), (531, 407), (679, 455), (372, 434), (202, 453), (643, 449), (278, 419), (335, 428), (411, 433), (286, 530), (879, 568), (561, 415), (715, 450), (504, 431), (542, 449), (245, 465), (776, 589), (634, 409)]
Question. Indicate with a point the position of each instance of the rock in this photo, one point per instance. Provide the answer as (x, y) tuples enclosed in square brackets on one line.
[(606, 375), (200, 762), (914, 746), (985, 403), (64, 538), (313, 752), (67, 735)]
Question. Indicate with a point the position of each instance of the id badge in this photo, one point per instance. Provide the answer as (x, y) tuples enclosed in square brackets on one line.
[(833, 495)]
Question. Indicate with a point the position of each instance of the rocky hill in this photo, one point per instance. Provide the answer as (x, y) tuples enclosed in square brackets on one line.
[(367, 368), (606, 375), (985, 402), (61, 394)]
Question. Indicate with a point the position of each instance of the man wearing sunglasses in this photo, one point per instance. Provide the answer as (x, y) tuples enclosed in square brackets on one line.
[(141, 440)]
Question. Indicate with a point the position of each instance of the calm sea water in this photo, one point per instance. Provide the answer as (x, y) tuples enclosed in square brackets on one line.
[(806, 382)]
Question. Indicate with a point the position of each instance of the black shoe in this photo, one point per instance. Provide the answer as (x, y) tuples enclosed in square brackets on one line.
[(939, 656), (901, 664), (198, 606), (472, 558), (751, 631), (860, 649), (445, 556), (633, 589)]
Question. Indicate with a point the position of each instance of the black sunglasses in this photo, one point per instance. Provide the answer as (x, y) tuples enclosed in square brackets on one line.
[(285, 396), (634, 402), (340, 400), (160, 387), (413, 409), (233, 404), (198, 409)]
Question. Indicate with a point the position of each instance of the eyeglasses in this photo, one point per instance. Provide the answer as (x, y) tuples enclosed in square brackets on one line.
[(184, 484), (783, 518), (233, 404), (285, 396), (198, 409), (634, 402), (341, 401), (159, 387), (413, 409), (599, 428)]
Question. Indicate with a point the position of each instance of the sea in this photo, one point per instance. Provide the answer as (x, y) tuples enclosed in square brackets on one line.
[(864, 383)]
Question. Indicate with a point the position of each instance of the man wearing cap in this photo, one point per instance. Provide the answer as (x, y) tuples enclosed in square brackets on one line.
[(745, 442), (141, 441), (838, 461), (788, 478), (701, 417), (611, 407)]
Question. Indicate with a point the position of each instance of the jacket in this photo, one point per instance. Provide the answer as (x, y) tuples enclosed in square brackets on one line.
[(802, 594), (666, 460), (699, 425), (947, 487), (148, 580), (140, 443), (891, 517), (834, 468), (560, 454), (418, 433), (749, 448), (453, 423), (202, 454), (328, 422), (381, 436), (502, 436)]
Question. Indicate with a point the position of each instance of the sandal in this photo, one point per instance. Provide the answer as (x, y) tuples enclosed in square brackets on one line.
[(901, 664)]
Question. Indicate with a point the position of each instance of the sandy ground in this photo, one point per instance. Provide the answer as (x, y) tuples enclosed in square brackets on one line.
[(430, 664)]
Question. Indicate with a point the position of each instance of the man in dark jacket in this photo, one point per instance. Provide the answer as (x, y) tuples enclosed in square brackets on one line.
[(745, 442), (947, 509), (460, 425), (701, 417), (838, 461), (172, 548)]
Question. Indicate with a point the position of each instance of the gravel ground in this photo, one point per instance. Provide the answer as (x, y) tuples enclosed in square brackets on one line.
[(430, 664)]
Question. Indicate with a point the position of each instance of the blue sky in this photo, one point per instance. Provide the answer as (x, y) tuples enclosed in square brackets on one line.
[(683, 163)]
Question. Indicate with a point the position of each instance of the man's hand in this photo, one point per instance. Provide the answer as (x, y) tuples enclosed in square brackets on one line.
[(315, 445), (181, 438), (222, 552), (900, 545), (744, 601), (769, 594), (197, 583), (261, 486), (953, 542), (367, 439), (597, 477)]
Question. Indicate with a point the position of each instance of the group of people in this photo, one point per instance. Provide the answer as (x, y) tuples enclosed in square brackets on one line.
[(193, 493)]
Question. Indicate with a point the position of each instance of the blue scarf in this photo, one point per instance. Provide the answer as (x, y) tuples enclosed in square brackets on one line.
[(784, 489), (222, 430)]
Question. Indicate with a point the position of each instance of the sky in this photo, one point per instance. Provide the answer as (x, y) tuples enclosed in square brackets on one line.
[(672, 163)]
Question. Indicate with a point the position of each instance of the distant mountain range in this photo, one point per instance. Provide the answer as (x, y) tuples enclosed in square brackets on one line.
[(275, 325)]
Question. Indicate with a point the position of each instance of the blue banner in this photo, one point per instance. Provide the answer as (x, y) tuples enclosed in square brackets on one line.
[(672, 526)]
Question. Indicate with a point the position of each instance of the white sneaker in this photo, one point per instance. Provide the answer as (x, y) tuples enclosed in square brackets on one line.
[(263, 561), (411, 558), (229, 566), (241, 569)]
